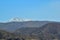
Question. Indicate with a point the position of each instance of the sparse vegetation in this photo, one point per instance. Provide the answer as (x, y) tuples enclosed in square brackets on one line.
[(49, 31)]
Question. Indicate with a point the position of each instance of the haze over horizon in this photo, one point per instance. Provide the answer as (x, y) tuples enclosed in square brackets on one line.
[(48, 10)]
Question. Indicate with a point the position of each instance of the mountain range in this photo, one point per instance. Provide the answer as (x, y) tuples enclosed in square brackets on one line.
[(12, 26), (43, 30)]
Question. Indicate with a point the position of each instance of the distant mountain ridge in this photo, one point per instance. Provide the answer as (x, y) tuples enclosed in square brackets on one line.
[(12, 26)]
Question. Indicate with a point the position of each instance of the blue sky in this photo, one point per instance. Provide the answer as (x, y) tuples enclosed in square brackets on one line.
[(30, 9)]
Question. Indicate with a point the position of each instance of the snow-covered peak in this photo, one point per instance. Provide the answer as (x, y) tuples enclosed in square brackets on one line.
[(16, 19)]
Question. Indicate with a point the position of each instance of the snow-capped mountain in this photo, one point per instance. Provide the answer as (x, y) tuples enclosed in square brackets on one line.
[(16, 19)]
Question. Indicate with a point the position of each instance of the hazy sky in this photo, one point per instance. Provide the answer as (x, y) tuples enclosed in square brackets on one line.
[(32, 9)]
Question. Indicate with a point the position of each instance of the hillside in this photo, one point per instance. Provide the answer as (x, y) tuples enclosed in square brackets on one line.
[(13, 26), (31, 30), (50, 31), (6, 35)]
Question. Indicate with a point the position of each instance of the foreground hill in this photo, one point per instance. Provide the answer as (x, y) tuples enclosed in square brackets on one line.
[(6, 35)]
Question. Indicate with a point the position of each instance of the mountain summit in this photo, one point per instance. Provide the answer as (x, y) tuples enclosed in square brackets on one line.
[(16, 19)]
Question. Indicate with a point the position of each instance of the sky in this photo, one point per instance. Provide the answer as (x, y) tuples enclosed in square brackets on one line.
[(30, 9)]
